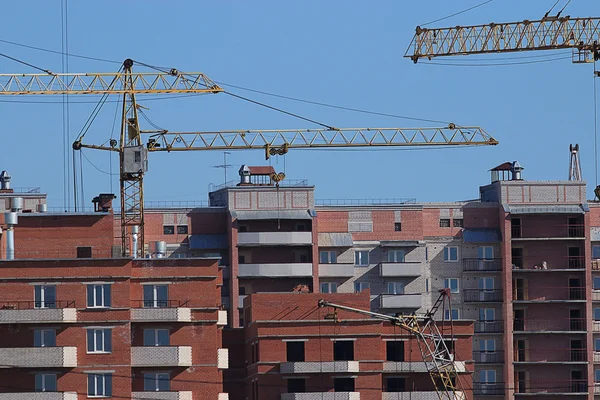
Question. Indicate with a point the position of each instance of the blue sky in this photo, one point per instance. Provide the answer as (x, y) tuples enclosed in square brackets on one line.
[(347, 53)]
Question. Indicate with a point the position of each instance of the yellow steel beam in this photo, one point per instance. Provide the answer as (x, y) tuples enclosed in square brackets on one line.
[(107, 83), (580, 34), (277, 141)]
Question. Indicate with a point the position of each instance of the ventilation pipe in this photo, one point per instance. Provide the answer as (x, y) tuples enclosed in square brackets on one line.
[(135, 231), (10, 218), (244, 174), (160, 249), (4, 180), (516, 171)]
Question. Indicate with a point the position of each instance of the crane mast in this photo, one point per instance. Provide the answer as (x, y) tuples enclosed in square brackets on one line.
[(582, 35), (438, 359)]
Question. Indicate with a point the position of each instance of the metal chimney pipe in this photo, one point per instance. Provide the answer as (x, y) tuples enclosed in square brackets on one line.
[(4, 180), (135, 231), (11, 220)]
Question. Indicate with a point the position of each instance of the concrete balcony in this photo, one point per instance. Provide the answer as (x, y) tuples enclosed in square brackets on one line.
[(284, 270), (415, 366), (482, 265), (416, 396), (318, 367), (175, 314), (40, 357), (39, 396), (321, 396), (596, 326), (403, 301), (274, 238), (336, 270), (161, 395), (596, 295), (482, 296), (222, 318), (26, 313), (400, 269), (223, 358), (596, 357), (161, 356)]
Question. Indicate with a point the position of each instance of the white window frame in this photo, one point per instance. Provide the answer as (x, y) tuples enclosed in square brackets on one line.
[(487, 376), (331, 287), (448, 284), (156, 378), (594, 278), (101, 295), (155, 301), (393, 256), (448, 254), (330, 257), (395, 287), (454, 310), (41, 301), (41, 384), (42, 337), (359, 258), (360, 286), (99, 385), (156, 337), (105, 340), (482, 253)]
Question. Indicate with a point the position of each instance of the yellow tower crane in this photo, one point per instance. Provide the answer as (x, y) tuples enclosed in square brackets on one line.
[(133, 151)]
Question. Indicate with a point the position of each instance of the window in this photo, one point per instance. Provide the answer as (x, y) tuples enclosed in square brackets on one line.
[(45, 296), (243, 228), (396, 256), (395, 288), (156, 337), (451, 253), (157, 382), (487, 376), (182, 229), (398, 226), (301, 227), (242, 291), (452, 284), (596, 283), (84, 252), (596, 344), (426, 285), (137, 156), (360, 286), (296, 385), (99, 385), (455, 314), (457, 222), (328, 287), (394, 350), (99, 340), (485, 252), (343, 350), (295, 351), (487, 345), (444, 222), (343, 384), (361, 258), (486, 284), (597, 375), (45, 383), (44, 338), (596, 314), (327, 257), (156, 296), (98, 296), (596, 251), (168, 229), (395, 384), (487, 314)]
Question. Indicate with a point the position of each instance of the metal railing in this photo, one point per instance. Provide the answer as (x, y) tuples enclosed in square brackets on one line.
[(488, 357), (234, 183), (492, 389), (159, 303), (550, 355), (482, 264), (176, 204), (483, 295), (538, 263), (31, 305), (546, 293), (62, 254), (26, 190), (364, 202), (552, 386), (496, 326), (533, 325), (553, 231)]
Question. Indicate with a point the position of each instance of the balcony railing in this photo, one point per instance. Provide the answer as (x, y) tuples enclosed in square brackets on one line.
[(495, 326), (549, 293), (321, 396), (538, 263), (39, 357), (161, 356), (483, 295), (489, 389), (159, 303), (12, 312), (31, 305), (488, 357), (318, 367), (408, 269), (162, 395), (481, 264), (544, 325), (39, 396), (552, 386), (534, 355), (570, 231)]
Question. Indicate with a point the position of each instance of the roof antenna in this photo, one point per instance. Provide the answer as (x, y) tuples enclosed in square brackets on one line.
[(574, 165)]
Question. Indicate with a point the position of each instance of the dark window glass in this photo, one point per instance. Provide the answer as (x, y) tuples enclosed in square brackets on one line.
[(168, 230), (182, 229), (395, 350), (84, 252), (343, 350), (398, 226), (296, 385), (395, 384), (343, 384), (295, 351), (444, 223), (458, 222)]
